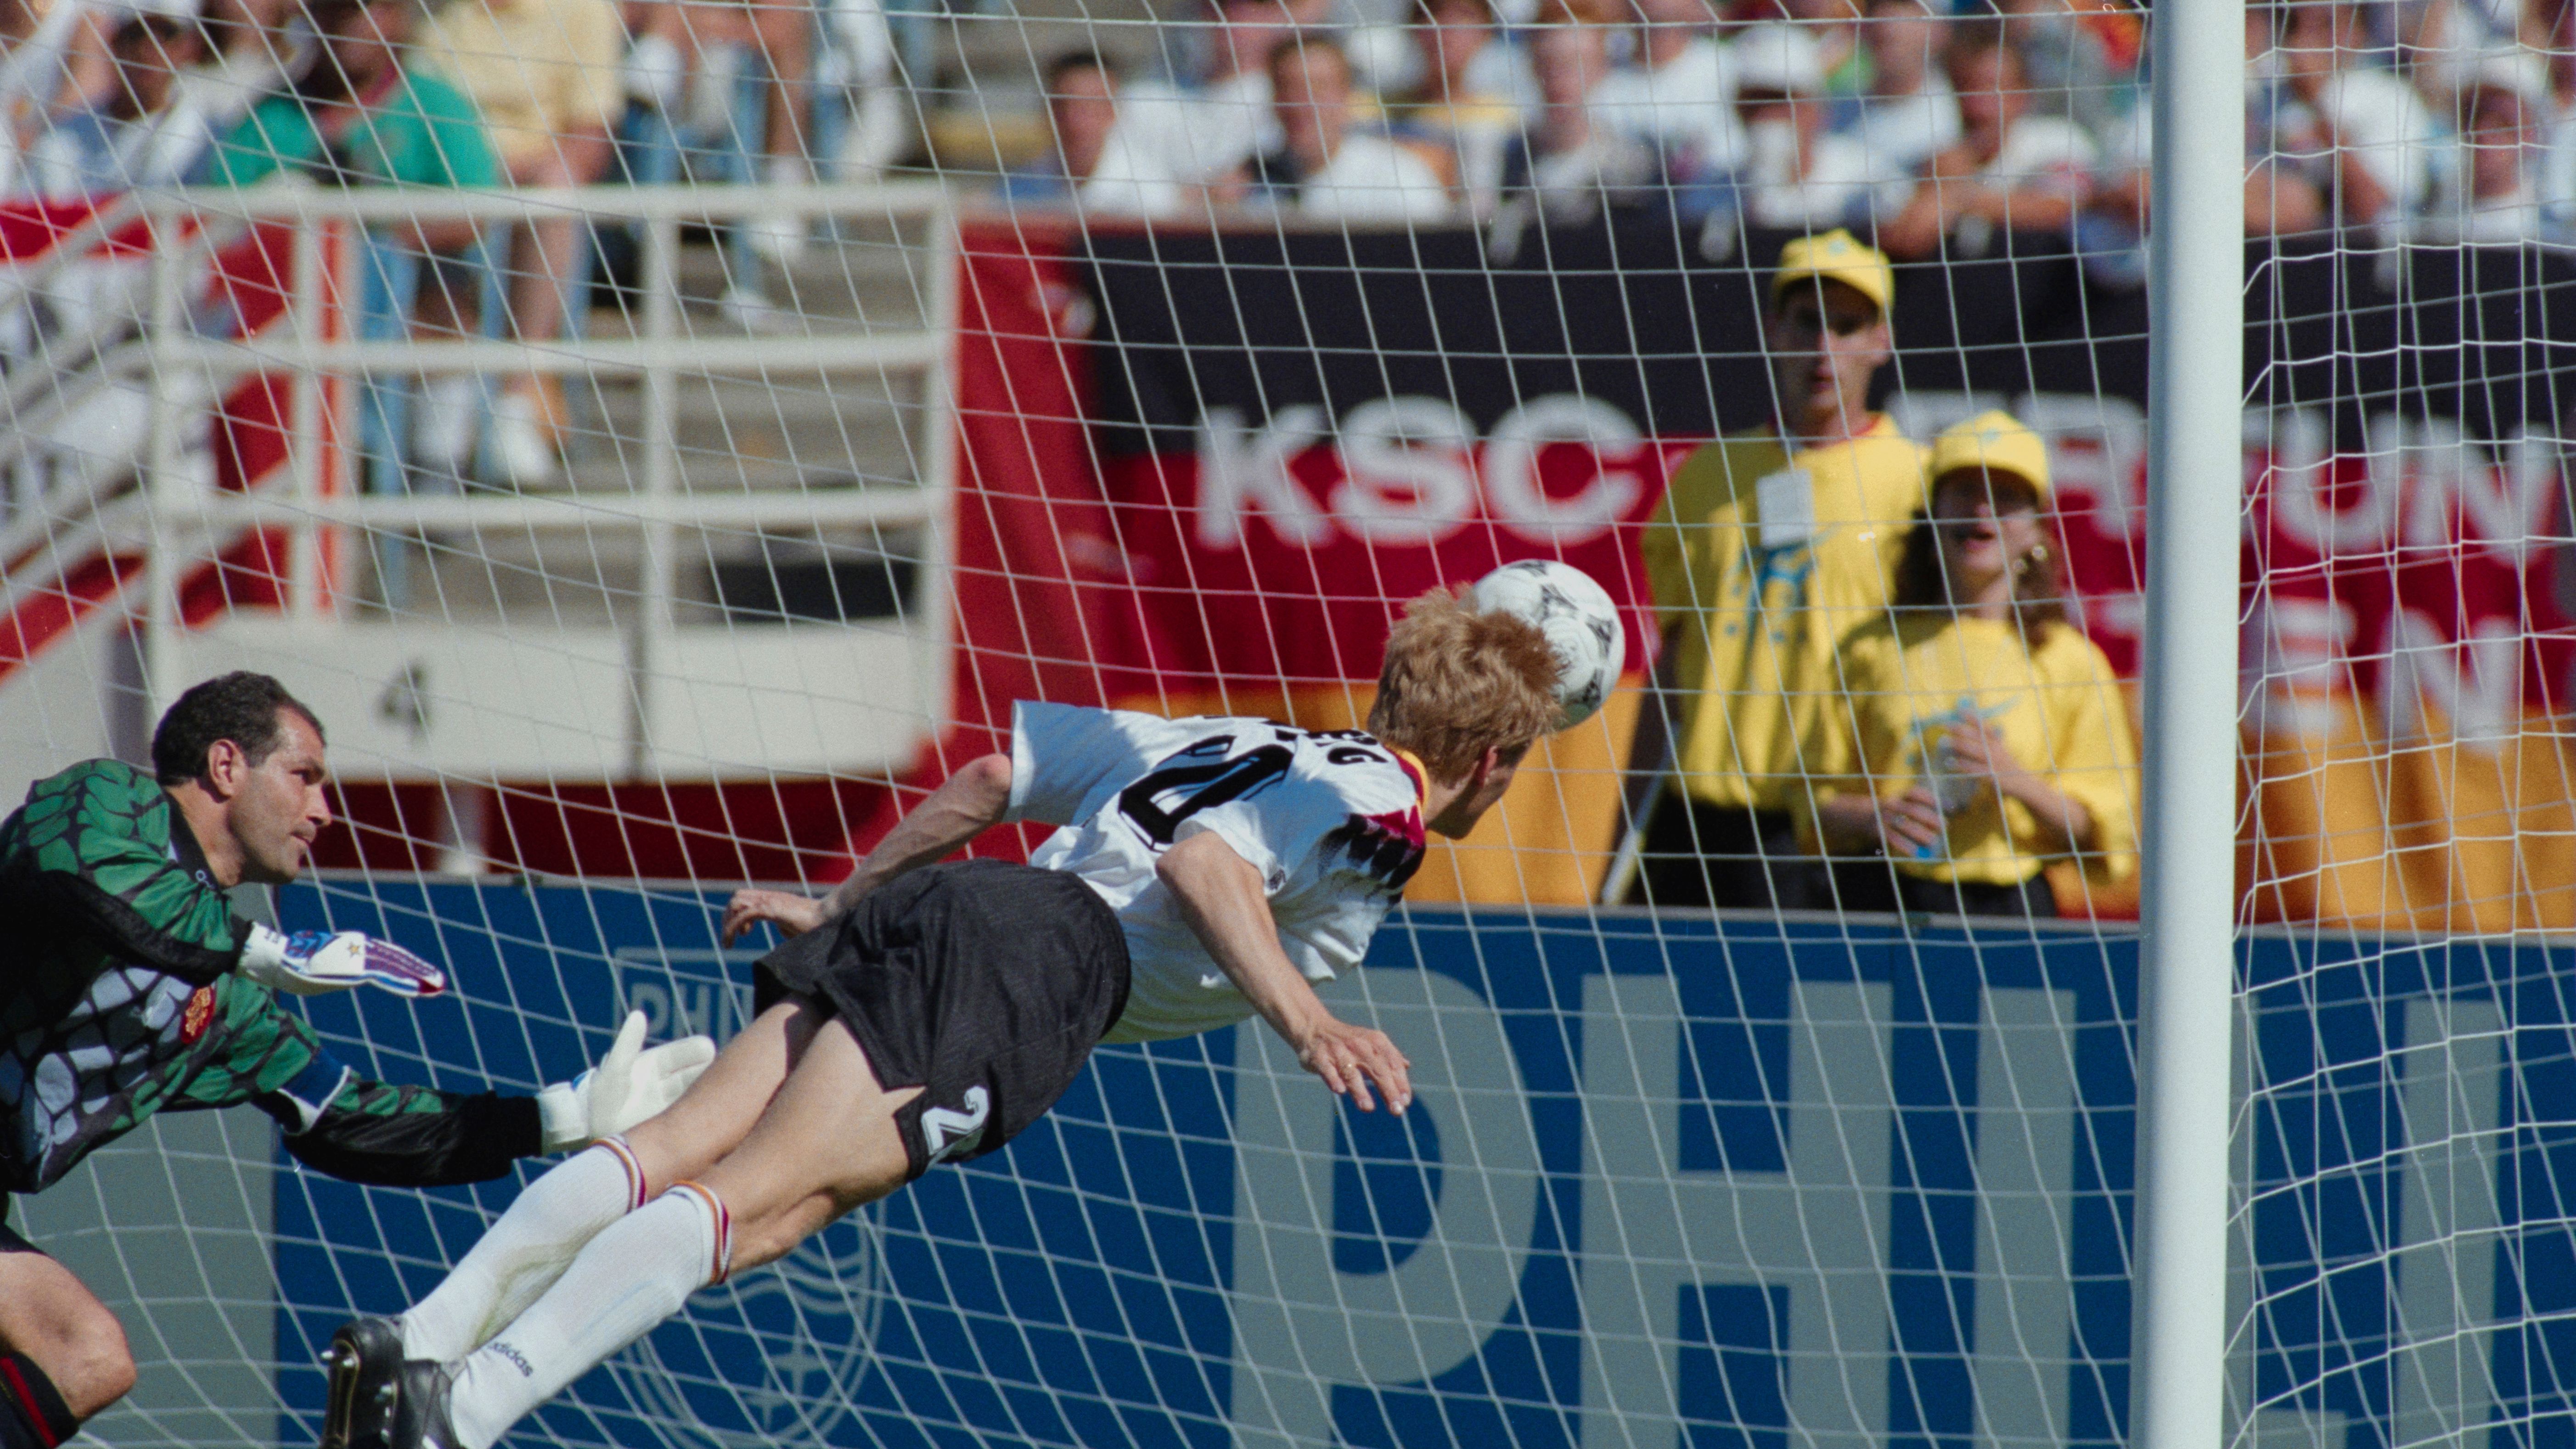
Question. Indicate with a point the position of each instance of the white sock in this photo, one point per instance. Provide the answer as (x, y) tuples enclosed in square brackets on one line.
[(631, 1277), (444, 419), (525, 1251)]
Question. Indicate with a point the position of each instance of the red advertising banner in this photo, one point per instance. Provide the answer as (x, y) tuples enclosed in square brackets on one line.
[(83, 276)]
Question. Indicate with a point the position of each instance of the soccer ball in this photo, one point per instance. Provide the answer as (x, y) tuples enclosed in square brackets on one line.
[(1578, 618)]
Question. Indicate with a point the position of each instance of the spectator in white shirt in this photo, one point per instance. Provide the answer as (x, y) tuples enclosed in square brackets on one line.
[(1081, 90), (1566, 164), (140, 136), (1082, 171), (1797, 176), (1908, 115), (52, 55), (1835, 26), (250, 49), (2358, 125), (1327, 170), (2281, 194), (1460, 110), (1202, 136), (2500, 186), (2011, 170), (54, 52), (1680, 96), (2071, 64), (2558, 169), (2446, 47)]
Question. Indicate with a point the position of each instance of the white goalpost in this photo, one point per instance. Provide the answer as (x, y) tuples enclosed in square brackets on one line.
[(2187, 911)]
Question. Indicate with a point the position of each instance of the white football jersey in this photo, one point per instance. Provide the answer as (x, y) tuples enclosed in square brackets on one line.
[(1333, 822)]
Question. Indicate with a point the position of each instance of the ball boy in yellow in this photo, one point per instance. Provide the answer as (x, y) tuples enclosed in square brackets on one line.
[(1771, 546), (1979, 735)]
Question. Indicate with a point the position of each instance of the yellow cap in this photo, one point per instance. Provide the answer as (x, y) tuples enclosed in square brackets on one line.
[(1837, 256), (1996, 441)]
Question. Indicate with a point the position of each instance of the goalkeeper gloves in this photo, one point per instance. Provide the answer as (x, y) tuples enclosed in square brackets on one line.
[(629, 1085), (309, 963)]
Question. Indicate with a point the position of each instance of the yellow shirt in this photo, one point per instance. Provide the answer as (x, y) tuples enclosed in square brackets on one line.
[(2057, 707), (1760, 610), (537, 69)]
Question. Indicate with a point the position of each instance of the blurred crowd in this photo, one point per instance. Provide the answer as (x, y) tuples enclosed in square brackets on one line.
[(100, 97), (1913, 122), (1920, 126), (1907, 120)]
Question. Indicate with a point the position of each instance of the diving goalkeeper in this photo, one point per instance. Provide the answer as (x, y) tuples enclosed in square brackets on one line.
[(1207, 870), (132, 988)]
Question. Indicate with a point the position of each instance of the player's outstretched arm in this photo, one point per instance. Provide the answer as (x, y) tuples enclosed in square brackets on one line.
[(971, 802), (1220, 895)]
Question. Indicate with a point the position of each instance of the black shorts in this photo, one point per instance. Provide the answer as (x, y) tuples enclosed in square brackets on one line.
[(985, 984), (10, 1242)]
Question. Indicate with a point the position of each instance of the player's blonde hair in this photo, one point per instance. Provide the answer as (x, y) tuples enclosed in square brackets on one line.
[(1458, 682)]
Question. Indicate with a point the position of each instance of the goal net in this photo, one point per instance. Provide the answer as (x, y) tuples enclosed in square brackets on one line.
[(667, 440)]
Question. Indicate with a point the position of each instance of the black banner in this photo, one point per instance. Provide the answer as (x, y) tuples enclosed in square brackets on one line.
[(1632, 314)]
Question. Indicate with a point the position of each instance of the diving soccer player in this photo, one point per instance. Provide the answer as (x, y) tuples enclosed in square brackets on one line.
[(130, 987), (1207, 870)]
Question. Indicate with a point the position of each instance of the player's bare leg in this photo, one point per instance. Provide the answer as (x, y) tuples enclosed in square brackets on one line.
[(723, 1106), (820, 1145), (522, 1254), (62, 1354), (827, 1146)]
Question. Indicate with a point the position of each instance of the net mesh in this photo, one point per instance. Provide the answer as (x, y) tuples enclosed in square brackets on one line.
[(661, 441)]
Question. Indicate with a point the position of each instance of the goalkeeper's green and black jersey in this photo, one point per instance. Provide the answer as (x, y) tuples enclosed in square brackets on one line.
[(119, 998)]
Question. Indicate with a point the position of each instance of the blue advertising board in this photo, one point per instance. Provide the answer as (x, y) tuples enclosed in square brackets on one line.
[(1673, 1183)]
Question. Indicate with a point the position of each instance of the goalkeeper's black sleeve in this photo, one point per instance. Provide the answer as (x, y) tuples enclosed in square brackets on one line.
[(395, 1136)]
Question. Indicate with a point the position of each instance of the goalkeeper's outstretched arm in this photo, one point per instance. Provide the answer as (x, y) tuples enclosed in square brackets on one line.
[(394, 1135), (391, 1134), (114, 874)]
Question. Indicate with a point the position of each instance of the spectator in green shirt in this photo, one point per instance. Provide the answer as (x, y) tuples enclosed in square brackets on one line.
[(359, 116)]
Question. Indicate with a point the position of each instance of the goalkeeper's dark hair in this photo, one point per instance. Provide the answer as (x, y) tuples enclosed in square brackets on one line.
[(245, 708), (1458, 682)]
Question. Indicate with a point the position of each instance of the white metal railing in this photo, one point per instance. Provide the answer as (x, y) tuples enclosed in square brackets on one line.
[(179, 523), (54, 367)]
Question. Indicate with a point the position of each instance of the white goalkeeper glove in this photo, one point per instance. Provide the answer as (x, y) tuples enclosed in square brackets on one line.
[(629, 1086), (309, 963)]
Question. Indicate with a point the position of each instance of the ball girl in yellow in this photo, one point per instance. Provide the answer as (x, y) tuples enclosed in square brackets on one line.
[(1980, 735)]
